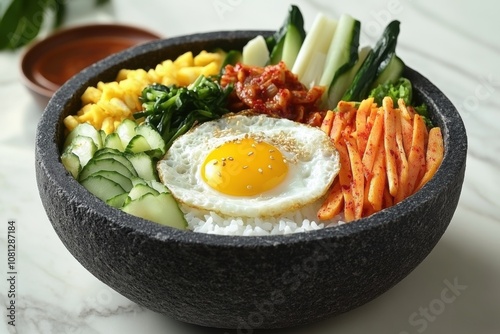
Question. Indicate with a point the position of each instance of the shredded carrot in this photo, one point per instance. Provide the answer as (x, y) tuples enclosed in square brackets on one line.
[(386, 154)]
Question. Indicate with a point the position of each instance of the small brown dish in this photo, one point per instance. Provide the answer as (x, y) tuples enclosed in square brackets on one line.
[(48, 63)]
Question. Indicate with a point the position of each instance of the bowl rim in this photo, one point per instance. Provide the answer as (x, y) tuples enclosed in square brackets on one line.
[(48, 155)]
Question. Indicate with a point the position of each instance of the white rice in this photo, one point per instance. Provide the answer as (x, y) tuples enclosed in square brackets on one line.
[(302, 220)]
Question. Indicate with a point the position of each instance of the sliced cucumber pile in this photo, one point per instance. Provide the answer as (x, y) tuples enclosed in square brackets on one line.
[(119, 168)]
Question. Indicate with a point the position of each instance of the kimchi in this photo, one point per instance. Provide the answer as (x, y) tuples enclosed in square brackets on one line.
[(272, 90)]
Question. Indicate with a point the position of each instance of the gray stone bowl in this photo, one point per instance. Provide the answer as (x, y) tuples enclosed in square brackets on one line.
[(242, 282)]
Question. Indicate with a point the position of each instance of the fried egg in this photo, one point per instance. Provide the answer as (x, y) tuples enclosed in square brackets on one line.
[(250, 166)]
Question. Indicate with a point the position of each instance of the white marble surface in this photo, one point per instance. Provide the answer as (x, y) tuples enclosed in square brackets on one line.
[(454, 43)]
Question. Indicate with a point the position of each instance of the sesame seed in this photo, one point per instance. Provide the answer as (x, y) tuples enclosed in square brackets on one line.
[(216, 162), (271, 157), (250, 153), (269, 166), (230, 158), (260, 170), (245, 167), (271, 151), (249, 187)]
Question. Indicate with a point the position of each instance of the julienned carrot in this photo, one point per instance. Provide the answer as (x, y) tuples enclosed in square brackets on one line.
[(386, 154), (405, 112), (326, 124), (434, 155), (346, 111), (407, 133), (357, 184), (388, 199), (345, 177), (332, 206), (416, 158), (406, 125), (362, 129), (391, 150), (378, 181), (401, 160), (374, 141)]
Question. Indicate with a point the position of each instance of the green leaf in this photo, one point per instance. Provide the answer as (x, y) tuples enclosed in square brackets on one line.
[(9, 22), (23, 19), (21, 22), (60, 14)]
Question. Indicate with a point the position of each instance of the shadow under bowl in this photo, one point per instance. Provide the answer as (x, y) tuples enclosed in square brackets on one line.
[(235, 281)]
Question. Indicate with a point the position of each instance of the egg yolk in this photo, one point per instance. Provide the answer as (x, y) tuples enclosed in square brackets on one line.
[(245, 167)]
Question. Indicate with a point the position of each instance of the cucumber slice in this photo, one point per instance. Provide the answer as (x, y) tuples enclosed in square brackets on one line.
[(140, 190), (114, 176), (292, 44), (344, 81), (137, 144), (114, 141), (154, 139), (103, 135), (342, 55), (391, 73), (84, 129), (84, 147), (102, 187), (137, 180), (143, 165), (118, 156), (374, 63), (126, 131), (106, 150), (117, 201), (310, 61), (109, 164), (255, 52), (286, 42), (72, 163), (162, 209), (158, 186)]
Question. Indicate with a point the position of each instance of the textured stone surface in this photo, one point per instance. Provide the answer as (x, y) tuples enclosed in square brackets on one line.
[(243, 282)]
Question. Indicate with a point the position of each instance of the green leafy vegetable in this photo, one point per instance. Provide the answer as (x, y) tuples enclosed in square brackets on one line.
[(174, 110), (422, 111), (401, 89), (22, 20)]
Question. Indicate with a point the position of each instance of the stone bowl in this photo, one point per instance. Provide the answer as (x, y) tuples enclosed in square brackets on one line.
[(242, 282)]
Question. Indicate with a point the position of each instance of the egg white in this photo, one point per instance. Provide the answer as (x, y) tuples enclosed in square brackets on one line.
[(313, 163)]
